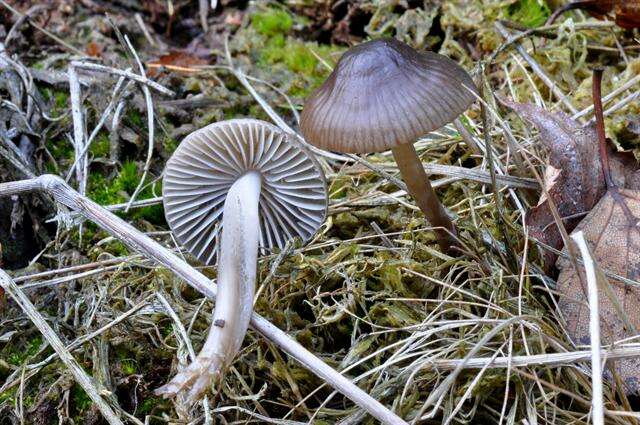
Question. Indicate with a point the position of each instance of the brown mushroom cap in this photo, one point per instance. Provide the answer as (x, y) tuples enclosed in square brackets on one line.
[(383, 93)]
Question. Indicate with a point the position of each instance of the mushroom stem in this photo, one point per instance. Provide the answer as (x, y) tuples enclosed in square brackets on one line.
[(419, 187), (236, 286)]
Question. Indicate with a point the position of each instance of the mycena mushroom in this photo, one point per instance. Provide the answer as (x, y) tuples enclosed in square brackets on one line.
[(257, 186), (383, 95)]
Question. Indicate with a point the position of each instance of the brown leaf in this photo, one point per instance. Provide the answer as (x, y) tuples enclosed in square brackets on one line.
[(179, 61), (93, 49), (626, 13), (573, 178), (612, 230)]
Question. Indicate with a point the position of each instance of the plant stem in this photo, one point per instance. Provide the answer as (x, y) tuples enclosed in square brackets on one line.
[(602, 140), (236, 286), (419, 187)]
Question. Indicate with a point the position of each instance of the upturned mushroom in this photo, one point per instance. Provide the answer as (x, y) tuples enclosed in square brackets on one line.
[(257, 186), (383, 95)]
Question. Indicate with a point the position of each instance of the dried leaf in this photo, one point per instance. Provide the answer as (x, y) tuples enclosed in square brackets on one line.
[(573, 178), (93, 49), (179, 61), (612, 230), (626, 13)]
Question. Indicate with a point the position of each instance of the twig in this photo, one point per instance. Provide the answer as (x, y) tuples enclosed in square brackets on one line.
[(203, 11), (128, 74), (78, 128), (139, 242), (145, 30), (78, 373), (149, 102), (83, 152)]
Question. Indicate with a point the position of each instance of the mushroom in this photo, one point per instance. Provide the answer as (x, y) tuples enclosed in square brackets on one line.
[(256, 185), (383, 95)]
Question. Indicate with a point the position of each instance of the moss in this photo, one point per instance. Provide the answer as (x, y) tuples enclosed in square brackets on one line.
[(19, 354), (115, 247), (298, 58), (272, 21), (147, 406), (80, 399), (530, 13), (8, 395), (107, 192), (169, 144), (61, 150), (270, 41), (128, 367), (100, 146), (129, 177), (136, 118)]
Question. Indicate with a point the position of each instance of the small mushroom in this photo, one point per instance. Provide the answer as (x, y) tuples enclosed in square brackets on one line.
[(256, 185), (383, 95)]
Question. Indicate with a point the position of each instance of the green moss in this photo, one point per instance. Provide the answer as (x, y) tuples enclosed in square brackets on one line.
[(81, 400), (530, 13), (277, 51), (100, 146), (118, 190), (271, 22), (147, 406), (21, 353), (169, 144), (129, 177), (298, 58), (8, 395), (61, 100), (107, 192), (115, 248), (128, 367), (61, 150), (136, 118)]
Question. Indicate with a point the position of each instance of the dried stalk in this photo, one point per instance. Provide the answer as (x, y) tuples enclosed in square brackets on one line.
[(150, 127), (139, 242), (594, 328)]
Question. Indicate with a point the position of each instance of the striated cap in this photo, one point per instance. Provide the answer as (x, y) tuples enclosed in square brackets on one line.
[(197, 177), (383, 93)]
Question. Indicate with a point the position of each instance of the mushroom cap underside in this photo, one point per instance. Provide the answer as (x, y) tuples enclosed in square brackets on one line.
[(197, 177)]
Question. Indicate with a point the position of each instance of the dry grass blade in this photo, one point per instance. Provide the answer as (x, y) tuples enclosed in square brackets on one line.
[(553, 359), (594, 328)]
